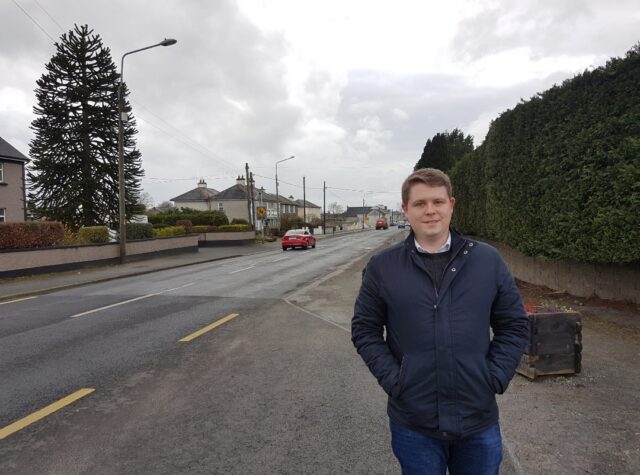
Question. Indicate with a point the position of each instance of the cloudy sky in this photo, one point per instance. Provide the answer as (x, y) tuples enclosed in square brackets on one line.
[(352, 88)]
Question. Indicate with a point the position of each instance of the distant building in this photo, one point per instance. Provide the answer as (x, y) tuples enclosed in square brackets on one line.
[(311, 210), (199, 198), (233, 202), (359, 216), (13, 189)]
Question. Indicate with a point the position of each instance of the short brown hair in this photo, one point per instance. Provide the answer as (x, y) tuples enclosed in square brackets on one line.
[(428, 176)]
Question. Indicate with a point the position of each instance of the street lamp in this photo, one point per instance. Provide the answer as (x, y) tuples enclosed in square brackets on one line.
[(277, 195), (121, 190)]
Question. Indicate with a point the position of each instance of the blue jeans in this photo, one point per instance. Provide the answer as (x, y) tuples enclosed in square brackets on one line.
[(478, 454)]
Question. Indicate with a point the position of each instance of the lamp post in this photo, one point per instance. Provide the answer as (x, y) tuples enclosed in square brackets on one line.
[(121, 183), (277, 195)]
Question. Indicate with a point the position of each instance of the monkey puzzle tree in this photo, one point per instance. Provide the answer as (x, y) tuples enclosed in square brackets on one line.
[(74, 174)]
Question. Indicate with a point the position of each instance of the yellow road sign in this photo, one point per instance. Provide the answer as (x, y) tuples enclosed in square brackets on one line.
[(261, 211)]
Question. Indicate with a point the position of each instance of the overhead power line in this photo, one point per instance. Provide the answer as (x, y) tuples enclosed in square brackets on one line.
[(33, 20), (52, 19)]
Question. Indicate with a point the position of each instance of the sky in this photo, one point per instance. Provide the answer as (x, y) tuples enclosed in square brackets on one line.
[(353, 89)]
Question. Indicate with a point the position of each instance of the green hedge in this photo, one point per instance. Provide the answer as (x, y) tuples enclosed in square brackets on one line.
[(170, 231), (211, 218), (204, 229), (93, 234), (559, 175), (139, 231), (31, 234), (234, 228), (185, 223)]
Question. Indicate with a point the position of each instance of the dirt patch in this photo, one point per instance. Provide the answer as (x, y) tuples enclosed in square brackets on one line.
[(588, 422)]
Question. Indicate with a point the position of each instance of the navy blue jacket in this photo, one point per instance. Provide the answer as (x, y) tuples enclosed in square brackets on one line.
[(438, 363)]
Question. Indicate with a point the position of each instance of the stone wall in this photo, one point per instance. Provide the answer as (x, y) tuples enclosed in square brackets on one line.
[(607, 281)]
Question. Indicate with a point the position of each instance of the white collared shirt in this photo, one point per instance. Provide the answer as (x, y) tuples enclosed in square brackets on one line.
[(445, 247)]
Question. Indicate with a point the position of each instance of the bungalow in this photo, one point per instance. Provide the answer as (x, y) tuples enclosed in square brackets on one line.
[(200, 198), (233, 202), (13, 198), (307, 210)]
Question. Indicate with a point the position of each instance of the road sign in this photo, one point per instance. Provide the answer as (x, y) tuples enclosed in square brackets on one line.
[(262, 211)]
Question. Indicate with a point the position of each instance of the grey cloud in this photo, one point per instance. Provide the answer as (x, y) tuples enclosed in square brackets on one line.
[(549, 28)]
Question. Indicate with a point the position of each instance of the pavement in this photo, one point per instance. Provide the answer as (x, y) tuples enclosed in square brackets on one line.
[(23, 287)]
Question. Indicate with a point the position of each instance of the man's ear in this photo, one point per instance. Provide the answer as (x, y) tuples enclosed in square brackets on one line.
[(404, 208), (453, 202)]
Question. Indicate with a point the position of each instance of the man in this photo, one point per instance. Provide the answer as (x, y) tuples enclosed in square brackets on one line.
[(437, 294)]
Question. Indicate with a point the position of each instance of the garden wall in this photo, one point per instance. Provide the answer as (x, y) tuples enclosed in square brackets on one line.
[(242, 238), (20, 262)]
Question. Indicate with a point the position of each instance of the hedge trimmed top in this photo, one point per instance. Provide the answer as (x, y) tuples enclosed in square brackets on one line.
[(559, 175)]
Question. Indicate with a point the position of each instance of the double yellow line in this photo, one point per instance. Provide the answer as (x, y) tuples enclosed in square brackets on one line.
[(56, 406)]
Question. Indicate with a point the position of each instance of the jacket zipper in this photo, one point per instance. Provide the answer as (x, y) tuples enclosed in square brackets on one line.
[(445, 271)]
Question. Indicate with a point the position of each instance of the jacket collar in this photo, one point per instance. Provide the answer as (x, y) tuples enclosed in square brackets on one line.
[(457, 241)]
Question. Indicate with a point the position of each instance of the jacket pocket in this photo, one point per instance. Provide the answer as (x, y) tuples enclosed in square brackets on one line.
[(401, 378), (487, 376)]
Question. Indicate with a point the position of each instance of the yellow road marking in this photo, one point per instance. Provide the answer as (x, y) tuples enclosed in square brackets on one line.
[(209, 327), (44, 412)]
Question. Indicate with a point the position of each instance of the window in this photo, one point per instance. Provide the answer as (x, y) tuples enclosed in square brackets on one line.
[(1, 173), (3, 212), (220, 207)]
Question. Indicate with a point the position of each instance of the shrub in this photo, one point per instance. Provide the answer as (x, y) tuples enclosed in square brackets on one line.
[(139, 231), (234, 228), (93, 235), (290, 221), (204, 229), (30, 234), (70, 238), (239, 221), (159, 225), (187, 224), (169, 231), (171, 218)]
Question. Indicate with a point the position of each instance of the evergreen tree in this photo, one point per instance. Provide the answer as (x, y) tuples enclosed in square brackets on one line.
[(444, 150), (74, 174)]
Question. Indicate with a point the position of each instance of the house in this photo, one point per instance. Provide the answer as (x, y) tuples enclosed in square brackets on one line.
[(233, 202), (13, 194), (200, 198), (307, 210), (357, 217)]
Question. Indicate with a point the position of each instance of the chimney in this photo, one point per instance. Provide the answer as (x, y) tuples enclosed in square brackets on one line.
[(240, 180), (202, 183)]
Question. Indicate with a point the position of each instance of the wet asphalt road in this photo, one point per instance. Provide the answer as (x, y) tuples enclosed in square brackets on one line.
[(276, 389)]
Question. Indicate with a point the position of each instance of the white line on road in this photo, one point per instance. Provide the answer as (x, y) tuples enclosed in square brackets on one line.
[(19, 300), (240, 270), (129, 301), (281, 259), (317, 316)]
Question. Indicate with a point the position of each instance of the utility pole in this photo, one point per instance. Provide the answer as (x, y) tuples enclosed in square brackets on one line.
[(246, 166), (253, 202), (363, 212), (304, 200), (324, 206)]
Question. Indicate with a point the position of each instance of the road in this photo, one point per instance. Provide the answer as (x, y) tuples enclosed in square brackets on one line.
[(274, 388)]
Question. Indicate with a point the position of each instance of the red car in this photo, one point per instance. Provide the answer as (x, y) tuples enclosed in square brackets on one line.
[(382, 223), (298, 238)]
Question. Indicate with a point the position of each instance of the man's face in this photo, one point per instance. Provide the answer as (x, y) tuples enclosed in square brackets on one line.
[(429, 210)]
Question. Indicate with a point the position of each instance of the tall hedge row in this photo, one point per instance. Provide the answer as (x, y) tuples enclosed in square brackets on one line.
[(559, 175)]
